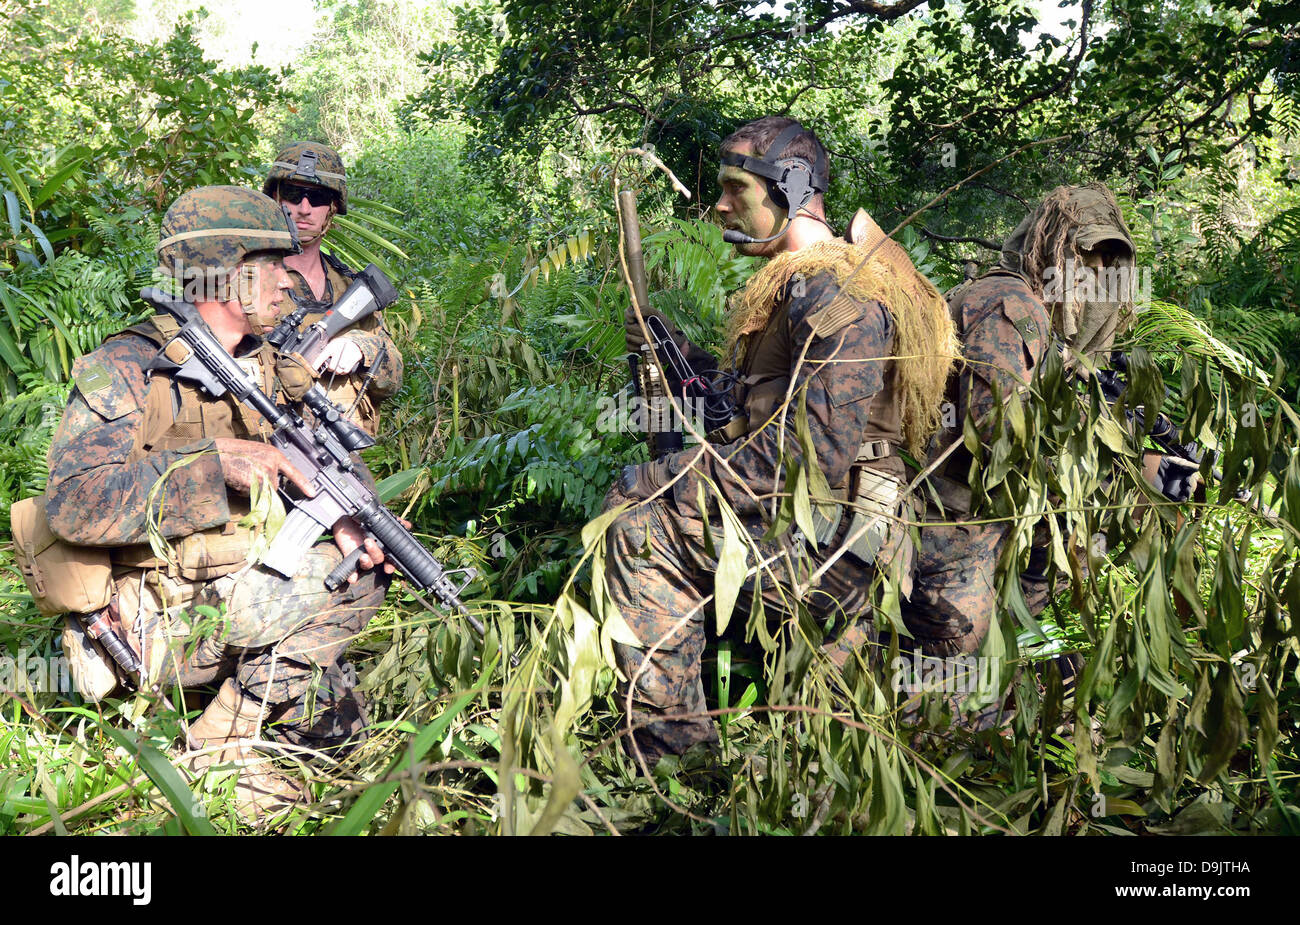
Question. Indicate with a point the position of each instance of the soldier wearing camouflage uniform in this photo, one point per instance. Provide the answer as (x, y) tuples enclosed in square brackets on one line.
[(162, 474), (1006, 327), (308, 180), (822, 321)]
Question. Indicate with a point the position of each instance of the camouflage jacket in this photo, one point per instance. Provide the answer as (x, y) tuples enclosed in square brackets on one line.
[(103, 469), (1005, 331), (369, 334), (841, 375)]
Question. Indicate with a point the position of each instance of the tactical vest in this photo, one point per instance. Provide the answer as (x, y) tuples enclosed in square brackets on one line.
[(344, 391), (873, 483), (178, 414), (338, 276), (766, 358)]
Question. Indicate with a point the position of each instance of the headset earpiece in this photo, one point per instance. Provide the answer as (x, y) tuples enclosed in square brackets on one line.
[(795, 186)]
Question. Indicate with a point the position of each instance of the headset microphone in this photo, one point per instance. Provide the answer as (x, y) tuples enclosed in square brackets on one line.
[(732, 236)]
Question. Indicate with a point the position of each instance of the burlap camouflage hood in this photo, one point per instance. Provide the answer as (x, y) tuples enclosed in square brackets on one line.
[(1068, 222), (873, 270), (309, 163)]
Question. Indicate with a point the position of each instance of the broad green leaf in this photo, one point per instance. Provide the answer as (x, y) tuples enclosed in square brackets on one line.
[(20, 187), (1225, 723), (392, 486), (54, 183), (166, 778), (369, 204), (370, 236), (730, 575), (1110, 433), (1267, 737)]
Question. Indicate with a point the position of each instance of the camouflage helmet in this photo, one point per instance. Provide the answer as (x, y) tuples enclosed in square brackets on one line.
[(209, 231), (311, 164)]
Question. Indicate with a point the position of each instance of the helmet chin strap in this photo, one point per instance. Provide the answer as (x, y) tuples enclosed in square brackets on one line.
[(257, 318), (309, 241), (329, 220)]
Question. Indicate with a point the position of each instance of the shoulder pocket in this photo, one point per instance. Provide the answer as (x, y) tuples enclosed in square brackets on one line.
[(104, 388), (835, 317), (1029, 322)]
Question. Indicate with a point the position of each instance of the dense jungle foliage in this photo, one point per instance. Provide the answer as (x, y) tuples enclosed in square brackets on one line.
[(483, 141)]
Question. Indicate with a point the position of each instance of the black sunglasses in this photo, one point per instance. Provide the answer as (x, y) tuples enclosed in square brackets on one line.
[(316, 195)]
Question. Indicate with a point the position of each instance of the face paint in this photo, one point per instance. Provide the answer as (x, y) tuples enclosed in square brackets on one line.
[(746, 206), (260, 289)]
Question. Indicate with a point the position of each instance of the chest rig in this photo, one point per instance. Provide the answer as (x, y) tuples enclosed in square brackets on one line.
[(871, 505), (344, 391), (178, 415)]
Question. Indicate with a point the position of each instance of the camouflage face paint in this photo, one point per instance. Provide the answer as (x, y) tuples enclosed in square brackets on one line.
[(261, 286), (746, 206)]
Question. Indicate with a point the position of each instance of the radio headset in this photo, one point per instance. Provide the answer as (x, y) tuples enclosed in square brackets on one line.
[(791, 181)]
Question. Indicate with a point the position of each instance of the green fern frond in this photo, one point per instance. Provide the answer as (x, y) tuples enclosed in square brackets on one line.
[(1166, 329)]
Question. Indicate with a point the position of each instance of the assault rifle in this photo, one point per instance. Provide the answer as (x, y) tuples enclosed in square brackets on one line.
[(1162, 431), (323, 453)]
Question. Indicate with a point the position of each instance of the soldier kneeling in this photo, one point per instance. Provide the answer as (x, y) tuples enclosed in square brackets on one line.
[(149, 493)]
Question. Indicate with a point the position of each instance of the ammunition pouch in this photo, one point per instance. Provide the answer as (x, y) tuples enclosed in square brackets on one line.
[(874, 499), (733, 430), (61, 577), (93, 672), (874, 526), (198, 557)]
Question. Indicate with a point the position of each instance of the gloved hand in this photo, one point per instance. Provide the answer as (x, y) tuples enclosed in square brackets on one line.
[(1173, 476), (640, 482), (295, 374), (632, 329), (341, 355)]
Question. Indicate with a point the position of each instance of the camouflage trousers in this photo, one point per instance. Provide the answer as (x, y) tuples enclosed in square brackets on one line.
[(954, 594), (282, 639), (659, 572)]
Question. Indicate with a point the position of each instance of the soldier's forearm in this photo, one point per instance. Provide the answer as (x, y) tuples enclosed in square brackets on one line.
[(109, 505), (383, 359)]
